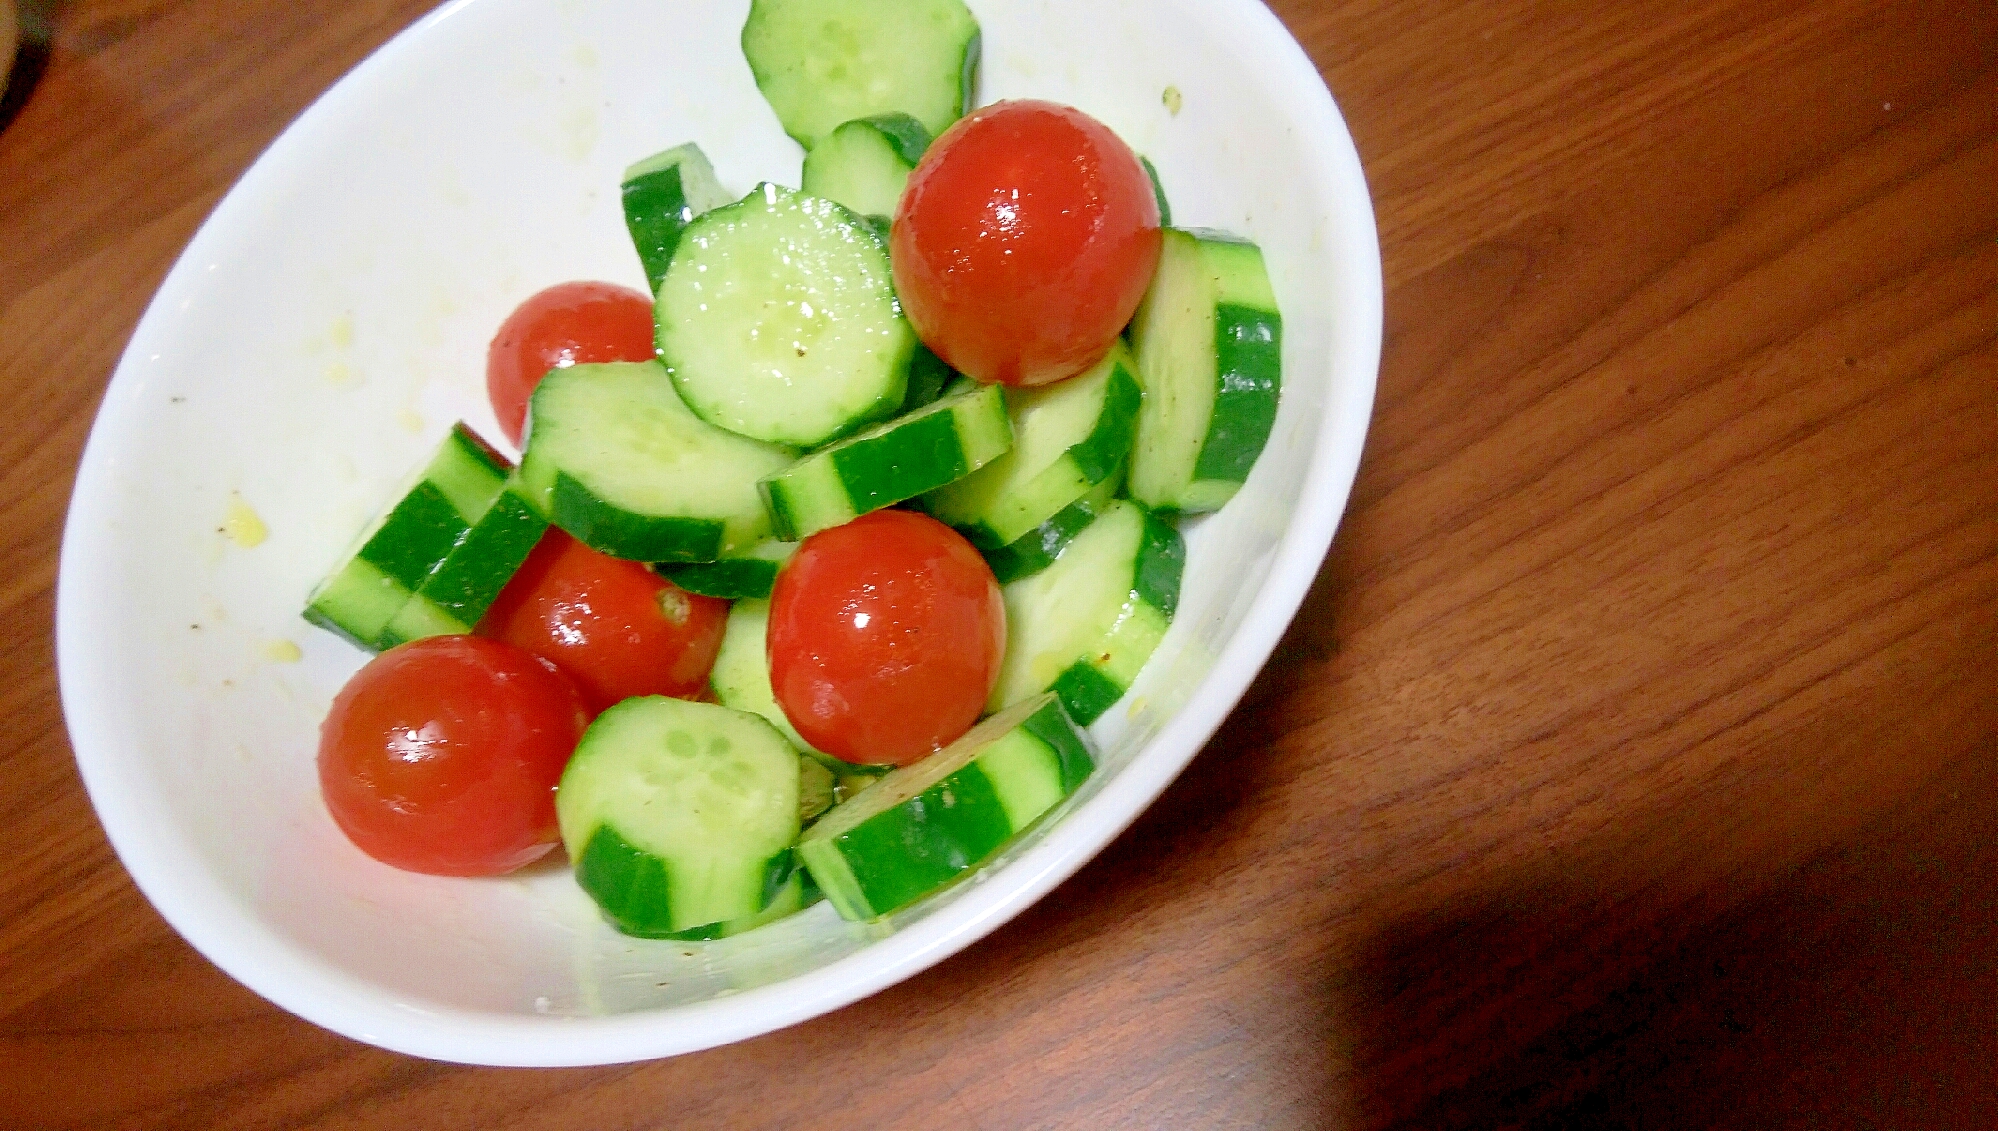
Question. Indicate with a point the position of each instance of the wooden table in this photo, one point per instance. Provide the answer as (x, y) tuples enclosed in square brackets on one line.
[(1630, 765)]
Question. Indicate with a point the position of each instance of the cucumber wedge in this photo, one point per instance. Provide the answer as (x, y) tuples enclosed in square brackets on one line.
[(615, 458), (1084, 626), (1067, 438), (680, 815), (777, 320), (917, 829), (823, 62), (941, 442), (1209, 343), (662, 195), (865, 163), (404, 547)]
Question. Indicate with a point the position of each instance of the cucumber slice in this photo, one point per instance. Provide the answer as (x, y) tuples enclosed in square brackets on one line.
[(1085, 625), (662, 195), (679, 814), (823, 62), (406, 545), (614, 457), (919, 828), (1209, 343), (778, 320), (1067, 438), (864, 164), (733, 577), (1037, 549), (941, 442)]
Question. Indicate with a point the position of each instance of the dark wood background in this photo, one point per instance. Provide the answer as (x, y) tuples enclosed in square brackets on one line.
[(1630, 765)]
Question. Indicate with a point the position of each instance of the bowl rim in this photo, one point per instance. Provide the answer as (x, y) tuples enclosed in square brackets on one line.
[(176, 882)]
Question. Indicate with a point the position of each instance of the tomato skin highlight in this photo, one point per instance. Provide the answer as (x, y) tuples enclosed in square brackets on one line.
[(614, 627), (1024, 242), (566, 324), (442, 755), (885, 637)]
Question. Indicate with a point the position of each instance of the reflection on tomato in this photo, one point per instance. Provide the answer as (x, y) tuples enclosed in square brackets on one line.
[(614, 626), (885, 637), (1024, 242), (567, 324), (441, 755)]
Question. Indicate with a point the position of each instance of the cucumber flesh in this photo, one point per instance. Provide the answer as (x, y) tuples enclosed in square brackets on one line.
[(865, 164), (777, 320), (1084, 626), (679, 815), (1067, 438), (616, 459), (941, 442), (662, 195), (1209, 343), (921, 827), (823, 62)]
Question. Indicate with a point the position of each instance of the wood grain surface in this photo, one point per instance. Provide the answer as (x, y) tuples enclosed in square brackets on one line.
[(1631, 763)]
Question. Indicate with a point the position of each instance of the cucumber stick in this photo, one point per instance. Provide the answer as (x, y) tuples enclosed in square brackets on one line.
[(922, 826), (823, 62), (435, 559), (1086, 624), (1067, 438), (662, 195), (938, 443), (777, 320), (616, 459), (1209, 343), (680, 815)]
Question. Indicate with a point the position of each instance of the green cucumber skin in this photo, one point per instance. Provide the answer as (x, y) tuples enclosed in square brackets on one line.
[(1158, 192), (891, 463), (729, 578), (929, 375), (419, 532), (621, 534), (1085, 688), (656, 211), (1248, 352), (923, 843), (1037, 549), (357, 604), (909, 136), (632, 889), (1086, 691), (471, 577), (947, 830), (1104, 451)]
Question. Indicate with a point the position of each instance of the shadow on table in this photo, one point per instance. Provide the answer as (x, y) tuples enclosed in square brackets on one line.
[(1860, 991)]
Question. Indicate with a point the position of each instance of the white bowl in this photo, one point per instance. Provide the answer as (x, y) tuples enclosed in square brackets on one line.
[(330, 321)]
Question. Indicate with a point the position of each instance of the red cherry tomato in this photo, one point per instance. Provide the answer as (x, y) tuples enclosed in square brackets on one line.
[(441, 755), (885, 637), (613, 626), (567, 324), (1024, 242)]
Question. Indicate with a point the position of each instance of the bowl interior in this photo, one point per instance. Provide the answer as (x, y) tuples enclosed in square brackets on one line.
[(330, 322)]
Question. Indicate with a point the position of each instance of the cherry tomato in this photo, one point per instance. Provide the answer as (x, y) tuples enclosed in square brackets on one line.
[(441, 755), (567, 324), (1024, 242), (613, 626), (885, 637)]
